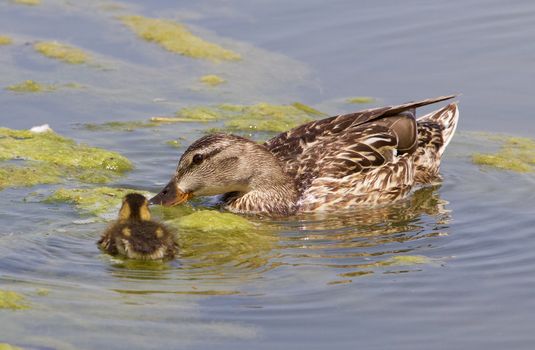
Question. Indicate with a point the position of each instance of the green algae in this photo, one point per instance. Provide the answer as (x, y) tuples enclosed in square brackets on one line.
[(96, 201), (172, 213), (30, 175), (62, 52), (407, 260), (6, 346), (177, 38), (258, 117), (213, 238), (50, 157), (27, 2), (31, 86), (192, 114), (55, 149), (500, 161), (307, 109), (73, 86), (120, 126), (210, 220), (42, 292), (515, 154), (5, 40), (200, 114), (212, 80), (12, 301), (266, 117), (361, 100), (174, 143)]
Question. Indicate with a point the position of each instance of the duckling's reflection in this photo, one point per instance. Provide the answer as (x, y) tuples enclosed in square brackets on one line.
[(140, 269), (354, 243)]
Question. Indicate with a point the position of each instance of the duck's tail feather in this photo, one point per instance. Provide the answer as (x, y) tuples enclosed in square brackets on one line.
[(416, 104), (446, 118)]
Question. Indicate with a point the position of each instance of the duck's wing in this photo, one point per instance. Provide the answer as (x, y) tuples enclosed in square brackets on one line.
[(289, 145), (363, 166), (357, 151)]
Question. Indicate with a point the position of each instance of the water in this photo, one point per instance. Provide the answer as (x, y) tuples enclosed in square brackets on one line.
[(336, 281)]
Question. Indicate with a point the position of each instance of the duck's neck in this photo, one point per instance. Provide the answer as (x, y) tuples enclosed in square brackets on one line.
[(272, 194)]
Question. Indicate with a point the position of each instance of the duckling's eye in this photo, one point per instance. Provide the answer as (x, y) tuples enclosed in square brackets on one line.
[(197, 159)]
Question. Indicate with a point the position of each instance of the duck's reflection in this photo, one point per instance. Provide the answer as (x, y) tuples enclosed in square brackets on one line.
[(386, 239)]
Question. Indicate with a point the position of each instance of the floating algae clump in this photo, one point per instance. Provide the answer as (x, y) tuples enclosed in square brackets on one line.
[(12, 300), (407, 260), (516, 154), (212, 80), (214, 238), (361, 100), (121, 126), (499, 161), (266, 117), (258, 117), (28, 2), (31, 175), (55, 149), (177, 38), (5, 40), (174, 143), (201, 114), (307, 109), (31, 86), (61, 52), (210, 220), (54, 154), (96, 201), (6, 346)]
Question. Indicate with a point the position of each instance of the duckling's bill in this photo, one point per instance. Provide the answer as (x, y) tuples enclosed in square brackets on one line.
[(171, 195)]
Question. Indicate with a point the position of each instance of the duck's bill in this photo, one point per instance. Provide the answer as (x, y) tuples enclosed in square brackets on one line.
[(170, 196)]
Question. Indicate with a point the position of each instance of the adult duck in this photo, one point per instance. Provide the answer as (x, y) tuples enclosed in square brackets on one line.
[(370, 157)]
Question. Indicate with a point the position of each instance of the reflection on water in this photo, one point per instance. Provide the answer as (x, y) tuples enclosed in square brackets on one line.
[(368, 238)]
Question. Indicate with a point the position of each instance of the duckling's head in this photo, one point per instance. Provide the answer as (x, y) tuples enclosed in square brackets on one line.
[(135, 236), (217, 164), (135, 207)]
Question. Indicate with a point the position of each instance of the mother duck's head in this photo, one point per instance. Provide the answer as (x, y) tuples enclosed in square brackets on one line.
[(217, 164)]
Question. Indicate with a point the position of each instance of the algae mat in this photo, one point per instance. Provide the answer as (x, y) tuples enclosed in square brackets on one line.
[(49, 157)]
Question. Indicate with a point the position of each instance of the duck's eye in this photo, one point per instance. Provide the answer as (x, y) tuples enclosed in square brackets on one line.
[(197, 159)]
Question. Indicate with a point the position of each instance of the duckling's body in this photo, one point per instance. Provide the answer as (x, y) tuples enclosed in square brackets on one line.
[(371, 157), (135, 236)]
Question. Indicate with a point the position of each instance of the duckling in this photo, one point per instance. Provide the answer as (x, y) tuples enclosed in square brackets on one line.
[(372, 157), (135, 236)]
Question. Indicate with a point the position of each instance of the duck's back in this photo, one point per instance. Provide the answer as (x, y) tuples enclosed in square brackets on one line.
[(368, 157)]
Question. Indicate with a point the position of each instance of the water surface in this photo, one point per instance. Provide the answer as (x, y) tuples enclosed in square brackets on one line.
[(451, 267)]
